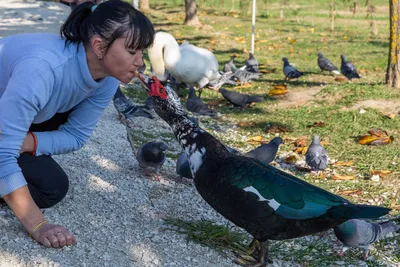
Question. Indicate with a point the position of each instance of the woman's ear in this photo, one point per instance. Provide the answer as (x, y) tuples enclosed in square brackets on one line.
[(98, 46)]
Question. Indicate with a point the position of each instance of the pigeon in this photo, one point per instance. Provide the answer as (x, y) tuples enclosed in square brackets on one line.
[(226, 78), (265, 201), (290, 71), (151, 155), (325, 64), (127, 109), (266, 152), (230, 65), (316, 156), (244, 76), (347, 68), (252, 64), (196, 105), (361, 234), (238, 99)]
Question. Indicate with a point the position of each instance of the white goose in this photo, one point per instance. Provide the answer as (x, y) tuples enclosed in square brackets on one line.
[(186, 63)]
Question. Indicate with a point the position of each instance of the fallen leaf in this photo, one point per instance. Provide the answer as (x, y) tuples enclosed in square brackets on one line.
[(320, 176), (280, 86), (290, 159), (246, 124), (324, 143), (343, 163), (301, 141), (391, 116), (278, 92), (317, 124), (301, 150), (340, 79), (342, 177), (257, 138), (350, 192), (377, 132), (366, 139), (381, 173), (377, 137), (273, 128), (246, 85)]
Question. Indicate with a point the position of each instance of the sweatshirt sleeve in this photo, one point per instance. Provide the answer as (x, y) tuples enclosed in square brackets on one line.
[(28, 89), (81, 122)]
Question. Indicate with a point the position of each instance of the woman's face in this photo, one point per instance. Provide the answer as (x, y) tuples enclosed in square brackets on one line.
[(121, 62)]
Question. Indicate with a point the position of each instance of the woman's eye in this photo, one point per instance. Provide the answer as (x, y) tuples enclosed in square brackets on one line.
[(132, 52)]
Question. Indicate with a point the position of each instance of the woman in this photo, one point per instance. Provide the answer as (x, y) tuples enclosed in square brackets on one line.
[(53, 91)]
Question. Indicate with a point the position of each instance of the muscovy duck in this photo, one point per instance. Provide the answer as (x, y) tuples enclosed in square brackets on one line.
[(268, 203)]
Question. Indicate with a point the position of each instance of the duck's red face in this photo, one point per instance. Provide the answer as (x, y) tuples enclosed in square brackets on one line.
[(157, 89)]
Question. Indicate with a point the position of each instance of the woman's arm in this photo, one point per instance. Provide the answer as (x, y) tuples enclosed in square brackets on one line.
[(81, 122)]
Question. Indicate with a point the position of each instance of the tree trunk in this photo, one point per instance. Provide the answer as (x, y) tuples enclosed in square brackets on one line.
[(144, 4), (191, 13), (393, 70)]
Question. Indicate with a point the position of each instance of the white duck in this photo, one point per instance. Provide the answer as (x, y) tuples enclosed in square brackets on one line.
[(186, 63)]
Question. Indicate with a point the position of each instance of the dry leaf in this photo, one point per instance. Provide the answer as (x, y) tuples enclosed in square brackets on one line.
[(257, 138), (301, 150), (381, 173), (377, 137), (377, 132), (290, 159), (273, 128), (391, 116), (278, 92), (301, 141), (366, 139), (246, 85), (324, 143), (280, 86), (246, 124), (343, 163), (340, 79), (317, 124), (320, 176), (350, 192), (342, 177)]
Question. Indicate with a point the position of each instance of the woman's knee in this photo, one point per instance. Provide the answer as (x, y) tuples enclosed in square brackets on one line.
[(47, 181)]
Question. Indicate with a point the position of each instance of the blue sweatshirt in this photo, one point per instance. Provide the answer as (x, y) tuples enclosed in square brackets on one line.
[(40, 77)]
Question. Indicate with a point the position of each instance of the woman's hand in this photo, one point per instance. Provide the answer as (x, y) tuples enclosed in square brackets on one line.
[(53, 236)]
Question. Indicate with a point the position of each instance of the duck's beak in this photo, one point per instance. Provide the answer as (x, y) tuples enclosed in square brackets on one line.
[(144, 80)]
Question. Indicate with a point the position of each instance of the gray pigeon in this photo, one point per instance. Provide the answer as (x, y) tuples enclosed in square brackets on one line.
[(290, 71), (230, 65), (266, 152), (361, 234), (226, 78), (316, 156), (151, 155), (325, 65), (196, 105), (238, 99), (127, 109), (252, 64), (347, 68), (244, 76)]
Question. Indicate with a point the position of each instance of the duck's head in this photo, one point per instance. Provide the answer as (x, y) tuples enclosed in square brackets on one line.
[(166, 102)]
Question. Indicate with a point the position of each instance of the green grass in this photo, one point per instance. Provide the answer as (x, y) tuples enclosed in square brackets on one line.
[(226, 32)]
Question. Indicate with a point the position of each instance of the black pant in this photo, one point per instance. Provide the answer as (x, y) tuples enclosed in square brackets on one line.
[(47, 181)]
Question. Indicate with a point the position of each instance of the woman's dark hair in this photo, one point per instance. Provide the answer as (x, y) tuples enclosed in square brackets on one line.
[(110, 20)]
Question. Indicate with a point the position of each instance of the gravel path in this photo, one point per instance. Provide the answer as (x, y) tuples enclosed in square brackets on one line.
[(113, 209)]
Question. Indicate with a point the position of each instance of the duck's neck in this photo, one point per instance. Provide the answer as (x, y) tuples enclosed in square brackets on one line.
[(164, 54), (199, 146)]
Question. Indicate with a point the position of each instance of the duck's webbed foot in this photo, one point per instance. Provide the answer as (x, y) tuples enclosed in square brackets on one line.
[(256, 248)]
